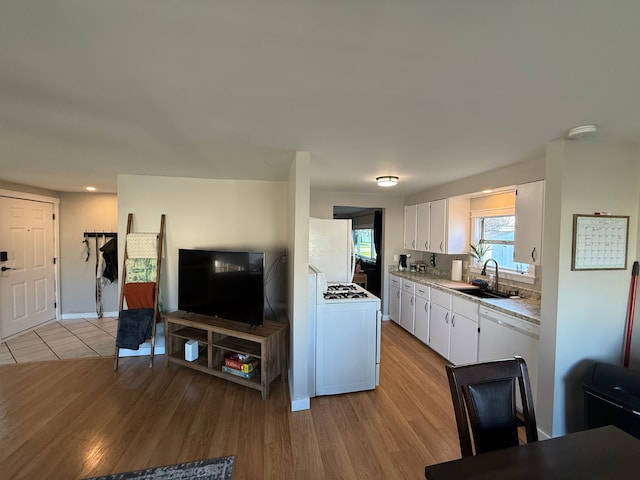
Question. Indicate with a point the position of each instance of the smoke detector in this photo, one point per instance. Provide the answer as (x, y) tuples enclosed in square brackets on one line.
[(581, 131)]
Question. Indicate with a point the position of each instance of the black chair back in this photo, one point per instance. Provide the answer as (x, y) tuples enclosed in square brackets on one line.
[(484, 402)]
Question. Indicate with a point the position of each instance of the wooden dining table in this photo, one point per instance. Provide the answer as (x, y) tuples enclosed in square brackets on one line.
[(603, 453)]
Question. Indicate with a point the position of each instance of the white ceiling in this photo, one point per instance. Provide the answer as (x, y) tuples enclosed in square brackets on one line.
[(429, 90)]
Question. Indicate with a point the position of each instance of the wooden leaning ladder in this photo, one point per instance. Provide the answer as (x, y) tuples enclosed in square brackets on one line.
[(156, 294)]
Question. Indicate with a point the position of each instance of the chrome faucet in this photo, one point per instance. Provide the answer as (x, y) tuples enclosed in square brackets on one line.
[(484, 271)]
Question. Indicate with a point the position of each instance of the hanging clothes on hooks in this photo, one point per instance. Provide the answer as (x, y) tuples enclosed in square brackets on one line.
[(110, 254), (99, 281), (106, 270), (87, 250)]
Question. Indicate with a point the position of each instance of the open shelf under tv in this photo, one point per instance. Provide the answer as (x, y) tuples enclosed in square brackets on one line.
[(217, 337)]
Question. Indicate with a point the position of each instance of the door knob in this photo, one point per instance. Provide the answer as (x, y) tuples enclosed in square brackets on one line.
[(4, 269)]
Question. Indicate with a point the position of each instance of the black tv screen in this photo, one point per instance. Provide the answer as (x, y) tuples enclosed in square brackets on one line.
[(223, 284)]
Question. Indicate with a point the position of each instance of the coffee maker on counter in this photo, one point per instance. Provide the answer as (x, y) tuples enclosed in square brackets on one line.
[(403, 263)]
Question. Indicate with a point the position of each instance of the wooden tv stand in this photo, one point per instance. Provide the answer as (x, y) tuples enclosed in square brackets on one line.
[(216, 337)]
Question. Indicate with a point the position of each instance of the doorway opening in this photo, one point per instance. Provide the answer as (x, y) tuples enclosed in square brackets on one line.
[(367, 234)]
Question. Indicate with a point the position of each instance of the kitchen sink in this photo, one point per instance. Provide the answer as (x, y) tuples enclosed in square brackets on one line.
[(479, 293)]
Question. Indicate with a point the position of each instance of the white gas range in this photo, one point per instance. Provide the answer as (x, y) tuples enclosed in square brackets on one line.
[(347, 322)]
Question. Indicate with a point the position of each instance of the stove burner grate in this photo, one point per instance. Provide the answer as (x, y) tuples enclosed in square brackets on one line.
[(341, 287), (344, 295)]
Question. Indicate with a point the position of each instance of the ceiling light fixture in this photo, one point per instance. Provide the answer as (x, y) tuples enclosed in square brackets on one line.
[(387, 181), (90, 189), (581, 131)]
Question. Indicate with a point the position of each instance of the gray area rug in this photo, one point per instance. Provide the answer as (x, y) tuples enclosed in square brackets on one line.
[(211, 469)]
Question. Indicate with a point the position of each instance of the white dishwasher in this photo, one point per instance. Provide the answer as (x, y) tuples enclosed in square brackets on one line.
[(505, 336)]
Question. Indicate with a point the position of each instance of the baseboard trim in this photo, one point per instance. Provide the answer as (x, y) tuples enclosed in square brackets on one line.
[(300, 404), (75, 316)]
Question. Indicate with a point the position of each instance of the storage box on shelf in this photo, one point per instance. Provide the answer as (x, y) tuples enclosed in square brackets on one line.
[(218, 338), (241, 362)]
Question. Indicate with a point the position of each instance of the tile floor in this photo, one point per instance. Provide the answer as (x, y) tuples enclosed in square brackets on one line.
[(79, 338)]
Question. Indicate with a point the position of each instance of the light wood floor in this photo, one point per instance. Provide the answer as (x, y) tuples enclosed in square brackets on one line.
[(77, 418)]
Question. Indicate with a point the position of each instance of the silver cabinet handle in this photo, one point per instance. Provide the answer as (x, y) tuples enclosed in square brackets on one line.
[(446, 317), (453, 322), (533, 254), (412, 301), (441, 249)]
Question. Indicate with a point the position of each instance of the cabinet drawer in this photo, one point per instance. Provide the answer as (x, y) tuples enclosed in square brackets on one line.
[(465, 307), (422, 291), (441, 298), (408, 286), (395, 281)]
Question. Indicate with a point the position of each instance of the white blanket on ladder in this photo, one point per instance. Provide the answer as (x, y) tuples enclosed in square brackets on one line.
[(142, 245)]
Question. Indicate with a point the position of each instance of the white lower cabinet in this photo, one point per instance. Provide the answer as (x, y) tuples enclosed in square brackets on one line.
[(421, 330), (407, 306), (464, 331), (439, 331), (395, 283), (453, 329), (445, 322)]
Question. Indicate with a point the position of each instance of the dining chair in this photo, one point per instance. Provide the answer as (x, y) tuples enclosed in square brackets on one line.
[(484, 402)]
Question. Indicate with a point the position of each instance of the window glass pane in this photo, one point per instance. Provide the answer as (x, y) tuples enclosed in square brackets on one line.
[(499, 228), (503, 254), (498, 233), (363, 242)]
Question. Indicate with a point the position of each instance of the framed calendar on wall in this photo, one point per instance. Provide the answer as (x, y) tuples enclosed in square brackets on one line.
[(599, 242)]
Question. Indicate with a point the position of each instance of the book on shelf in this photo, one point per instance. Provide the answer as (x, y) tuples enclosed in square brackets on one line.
[(240, 373), (241, 362)]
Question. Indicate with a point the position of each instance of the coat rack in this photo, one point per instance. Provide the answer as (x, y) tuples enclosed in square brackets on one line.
[(100, 234)]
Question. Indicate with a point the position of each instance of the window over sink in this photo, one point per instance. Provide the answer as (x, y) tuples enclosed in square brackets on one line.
[(495, 228)]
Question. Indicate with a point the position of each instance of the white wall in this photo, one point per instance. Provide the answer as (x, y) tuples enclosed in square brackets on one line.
[(583, 312), (522, 172), (301, 343), (201, 213), (81, 212), (322, 203), (18, 187)]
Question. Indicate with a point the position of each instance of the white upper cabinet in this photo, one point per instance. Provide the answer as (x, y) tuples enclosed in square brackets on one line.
[(422, 229), (529, 218), (449, 226), (410, 219)]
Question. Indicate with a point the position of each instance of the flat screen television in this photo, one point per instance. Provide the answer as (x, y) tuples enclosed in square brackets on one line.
[(222, 284)]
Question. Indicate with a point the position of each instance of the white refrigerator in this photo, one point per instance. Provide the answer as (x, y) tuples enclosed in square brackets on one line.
[(331, 249)]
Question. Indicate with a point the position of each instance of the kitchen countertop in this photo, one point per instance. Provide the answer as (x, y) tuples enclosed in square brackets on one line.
[(524, 308)]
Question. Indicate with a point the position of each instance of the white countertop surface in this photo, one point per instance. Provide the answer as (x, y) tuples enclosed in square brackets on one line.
[(524, 308)]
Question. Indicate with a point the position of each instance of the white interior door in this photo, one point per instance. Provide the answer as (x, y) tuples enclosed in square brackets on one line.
[(27, 281)]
